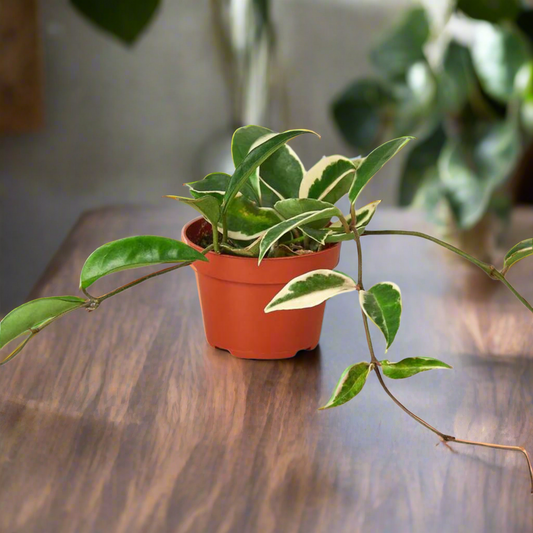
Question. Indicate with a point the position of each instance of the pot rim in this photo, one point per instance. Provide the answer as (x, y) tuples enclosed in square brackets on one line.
[(185, 237)]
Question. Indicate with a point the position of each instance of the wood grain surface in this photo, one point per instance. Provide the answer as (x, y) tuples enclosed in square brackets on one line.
[(21, 84), (125, 420)]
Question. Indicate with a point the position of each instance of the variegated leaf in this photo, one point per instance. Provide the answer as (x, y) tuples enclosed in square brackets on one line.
[(373, 162), (279, 176), (254, 160), (363, 216), (296, 206), (351, 383), (318, 235), (215, 184), (383, 305), (208, 206), (329, 180), (410, 366), (311, 289), (518, 252), (247, 221), (277, 231)]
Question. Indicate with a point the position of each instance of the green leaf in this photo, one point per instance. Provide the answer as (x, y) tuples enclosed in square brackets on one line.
[(457, 81), (329, 180), (125, 19), (296, 206), (363, 216), (352, 381), (373, 163), (247, 221), (492, 11), (403, 44), (311, 289), (416, 110), (318, 235), (277, 231), (361, 111), (253, 160), (383, 305), (472, 167), (419, 165), (216, 184), (135, 252), (34, 315), (518, 252), (498, 53), (279, 176), (410, 366), (207, 206)]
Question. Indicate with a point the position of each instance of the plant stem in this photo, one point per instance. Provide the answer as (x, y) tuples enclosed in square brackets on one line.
[(353, 216), (492, 273), (502, 278), (216, 246), (344, 223), (224, 228), (490, 270), (100, 299)]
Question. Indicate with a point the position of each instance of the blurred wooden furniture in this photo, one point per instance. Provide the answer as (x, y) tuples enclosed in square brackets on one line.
[(124, 420), (21, 98)]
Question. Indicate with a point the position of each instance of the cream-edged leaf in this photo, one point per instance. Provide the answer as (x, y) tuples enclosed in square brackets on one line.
[(383, 305), (411, 366), (296, 206), (247, 221), (373, 162), (317, 235), (363, 216), (311, 289), (253, 160), (279, 177), (215, 184), (329, 179), (350, 384), (518, 252), (277, 231)]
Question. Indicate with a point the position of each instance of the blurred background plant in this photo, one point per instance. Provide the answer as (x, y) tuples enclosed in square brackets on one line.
[(462, 83)]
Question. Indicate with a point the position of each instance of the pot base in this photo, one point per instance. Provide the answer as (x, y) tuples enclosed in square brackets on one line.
[(262, 357)]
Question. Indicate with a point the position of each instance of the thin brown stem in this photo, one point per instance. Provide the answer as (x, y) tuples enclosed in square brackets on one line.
[(410, 413), (353, 216), (100, 299), (492, 272), (481, 264), (344, 223)]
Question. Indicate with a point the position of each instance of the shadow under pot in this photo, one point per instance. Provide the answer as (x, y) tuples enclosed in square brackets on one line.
[(234, 292)]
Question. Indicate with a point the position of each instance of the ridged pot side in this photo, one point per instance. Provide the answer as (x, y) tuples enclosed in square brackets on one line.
[(234, 291)]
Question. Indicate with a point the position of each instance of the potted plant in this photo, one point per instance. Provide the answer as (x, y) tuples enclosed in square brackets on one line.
[(461, 83), (267, 242)]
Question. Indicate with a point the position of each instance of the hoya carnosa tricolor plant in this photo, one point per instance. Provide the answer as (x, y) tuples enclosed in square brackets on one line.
[(271, 206)]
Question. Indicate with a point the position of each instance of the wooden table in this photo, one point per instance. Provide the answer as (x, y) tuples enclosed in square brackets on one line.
[(125, 420)]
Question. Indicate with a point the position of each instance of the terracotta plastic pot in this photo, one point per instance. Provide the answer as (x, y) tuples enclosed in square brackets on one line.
[(235, 290)]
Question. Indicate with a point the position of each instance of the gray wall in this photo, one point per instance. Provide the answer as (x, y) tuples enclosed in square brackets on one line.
[(128, 125)]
